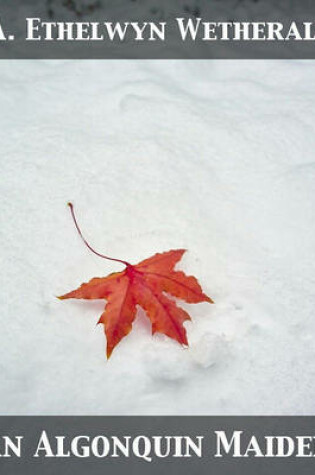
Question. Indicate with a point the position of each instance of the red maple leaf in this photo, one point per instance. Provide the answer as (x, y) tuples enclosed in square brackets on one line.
[(145, 284)]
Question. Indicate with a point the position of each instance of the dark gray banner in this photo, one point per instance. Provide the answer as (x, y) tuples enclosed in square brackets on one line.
[(156, 445), (191, 29)]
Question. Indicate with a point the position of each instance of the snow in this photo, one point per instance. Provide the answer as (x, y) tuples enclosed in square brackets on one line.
[(216, 157)]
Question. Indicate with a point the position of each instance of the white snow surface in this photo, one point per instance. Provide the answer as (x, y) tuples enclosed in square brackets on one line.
[(216, 157)]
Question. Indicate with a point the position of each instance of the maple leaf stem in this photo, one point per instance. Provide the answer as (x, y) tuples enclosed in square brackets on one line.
[(88, 245)]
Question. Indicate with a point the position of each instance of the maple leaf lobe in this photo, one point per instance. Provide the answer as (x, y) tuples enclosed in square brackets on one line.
[(144, 284)]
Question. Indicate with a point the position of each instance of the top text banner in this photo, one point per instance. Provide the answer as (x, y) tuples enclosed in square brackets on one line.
[(129, 29)]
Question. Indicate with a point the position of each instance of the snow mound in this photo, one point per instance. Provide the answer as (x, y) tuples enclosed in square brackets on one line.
[(216, 157)]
